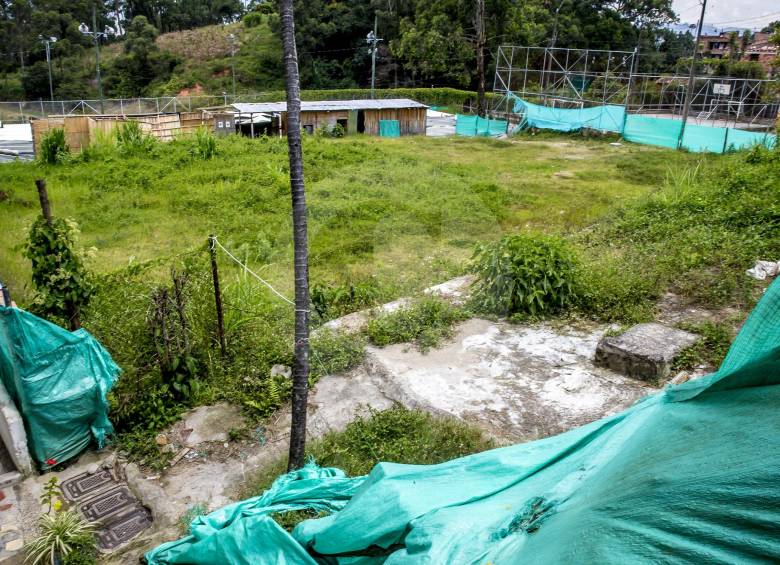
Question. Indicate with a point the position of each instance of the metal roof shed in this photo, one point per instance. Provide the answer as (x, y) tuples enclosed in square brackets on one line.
[(355, 116)]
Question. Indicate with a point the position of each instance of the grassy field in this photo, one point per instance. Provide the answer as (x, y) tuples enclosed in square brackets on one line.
[(387, 218), (404, 211)]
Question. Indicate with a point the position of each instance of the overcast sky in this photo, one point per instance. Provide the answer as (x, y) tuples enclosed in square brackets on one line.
[(730, 13)]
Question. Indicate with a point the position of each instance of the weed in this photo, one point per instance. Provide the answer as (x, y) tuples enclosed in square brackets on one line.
[(710, 350), (54, 149), (425, 323), (288, 520), (394, 435), (131, 140), (192, 512), (524, 274), (205, 145), (335, 300)]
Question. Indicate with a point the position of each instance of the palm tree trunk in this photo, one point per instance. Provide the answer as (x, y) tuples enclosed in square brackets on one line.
[(300, 240), (479, 23)]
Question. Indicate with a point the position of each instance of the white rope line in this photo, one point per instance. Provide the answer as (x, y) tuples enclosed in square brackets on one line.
[(251, 272), (276, 292)]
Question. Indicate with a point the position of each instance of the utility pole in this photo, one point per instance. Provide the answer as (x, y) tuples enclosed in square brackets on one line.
[(232, 40), (479, 22), (96, 35), (691, 76), (373, 41), (47, 41)]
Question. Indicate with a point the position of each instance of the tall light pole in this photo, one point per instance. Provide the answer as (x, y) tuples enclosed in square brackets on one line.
[(691, 76), (373, 41), (47, 41), (96, 35), (232, 40)]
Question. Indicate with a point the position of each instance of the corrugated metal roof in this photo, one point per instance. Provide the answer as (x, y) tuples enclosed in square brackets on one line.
[(330, 105)]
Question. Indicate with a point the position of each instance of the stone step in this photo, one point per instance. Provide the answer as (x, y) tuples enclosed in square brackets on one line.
[(646, 351)]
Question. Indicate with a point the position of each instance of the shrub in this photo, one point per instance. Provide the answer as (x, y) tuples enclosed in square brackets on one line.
[(524, 274), (131, 139), (426, 323), (710, 350), (58, 271), (53, 148)]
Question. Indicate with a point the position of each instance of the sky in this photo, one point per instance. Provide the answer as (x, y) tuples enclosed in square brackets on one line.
[(729, 13)]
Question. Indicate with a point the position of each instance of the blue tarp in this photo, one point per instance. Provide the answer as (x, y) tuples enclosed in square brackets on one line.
[(686, 475), (477, 126), (604, 118)]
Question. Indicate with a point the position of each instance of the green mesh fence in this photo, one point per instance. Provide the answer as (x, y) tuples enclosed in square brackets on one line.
[(475, 126), (661, 132)]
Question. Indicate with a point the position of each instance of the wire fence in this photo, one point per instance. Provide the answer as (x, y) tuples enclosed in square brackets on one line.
[(23, 111)]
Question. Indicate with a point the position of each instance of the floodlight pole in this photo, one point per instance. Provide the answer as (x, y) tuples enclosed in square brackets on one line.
[(47, 41), (373, 40), (96, 35), (232, 40), (691, 76)]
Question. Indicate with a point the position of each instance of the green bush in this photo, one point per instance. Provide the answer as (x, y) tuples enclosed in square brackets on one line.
[(426, 323), (205, 144), (524, 274), (131, 139), (53, 148)]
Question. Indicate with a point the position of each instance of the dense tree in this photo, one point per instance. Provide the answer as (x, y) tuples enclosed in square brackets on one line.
[(140, 63)]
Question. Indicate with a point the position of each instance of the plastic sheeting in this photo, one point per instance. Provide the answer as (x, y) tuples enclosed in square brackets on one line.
[(59, 381), (647, 130), (476, 126), (389, 128), (685, 475), (604, 118)]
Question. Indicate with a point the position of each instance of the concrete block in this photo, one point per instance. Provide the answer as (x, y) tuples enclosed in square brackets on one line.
[(646, 351)]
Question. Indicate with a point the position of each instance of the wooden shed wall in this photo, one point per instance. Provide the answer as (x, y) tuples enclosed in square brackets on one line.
[(411, 120), (319, 119), (191, 121), (42, 127)]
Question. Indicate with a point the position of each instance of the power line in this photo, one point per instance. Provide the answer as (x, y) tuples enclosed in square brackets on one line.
[(769, 15)]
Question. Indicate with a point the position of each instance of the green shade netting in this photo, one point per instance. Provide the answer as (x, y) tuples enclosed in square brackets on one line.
[(604, 118), (58, 381), (652, 131), (660, 132), (686, 475), (476, 126), (389, 128)]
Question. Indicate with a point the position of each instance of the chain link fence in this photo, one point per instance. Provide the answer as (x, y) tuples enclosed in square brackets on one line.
[(23, 111)]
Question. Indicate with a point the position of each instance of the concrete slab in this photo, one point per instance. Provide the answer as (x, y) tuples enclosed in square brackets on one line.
[(646, 351), (518, 383), (210, 423)]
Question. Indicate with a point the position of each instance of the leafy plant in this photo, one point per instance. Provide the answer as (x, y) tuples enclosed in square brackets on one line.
[(51, 496), (524, 274), (426, 323), (335, 300), (205, 145), (54, 149), (58, 272), (59, 535), (132, 140)]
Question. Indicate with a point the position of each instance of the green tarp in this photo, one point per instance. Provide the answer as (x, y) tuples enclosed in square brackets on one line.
[(389, 128), (687, 475), (647, 130), (58, 381), (476, 126)]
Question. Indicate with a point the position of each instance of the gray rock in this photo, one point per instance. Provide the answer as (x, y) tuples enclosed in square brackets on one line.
[(646, 351)]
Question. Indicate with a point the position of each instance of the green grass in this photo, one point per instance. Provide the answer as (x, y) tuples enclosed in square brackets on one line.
[(425, 322), (395, 435), (405, 212)]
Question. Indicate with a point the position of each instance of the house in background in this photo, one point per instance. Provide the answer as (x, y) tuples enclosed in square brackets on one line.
[(759, 49)]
